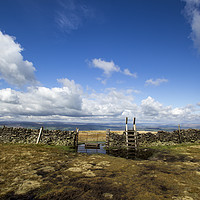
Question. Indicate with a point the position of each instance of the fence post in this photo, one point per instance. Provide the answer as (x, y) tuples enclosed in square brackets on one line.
[(134, 123), (126, 130), (135, 134), (107, 137), (76, 138), (39, 136), (179, 132)]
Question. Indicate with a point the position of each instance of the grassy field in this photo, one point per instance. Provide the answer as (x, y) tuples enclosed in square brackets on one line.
[(89, 136), (49, 172)]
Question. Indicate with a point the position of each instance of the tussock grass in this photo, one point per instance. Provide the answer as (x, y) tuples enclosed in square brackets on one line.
[(48, 172)]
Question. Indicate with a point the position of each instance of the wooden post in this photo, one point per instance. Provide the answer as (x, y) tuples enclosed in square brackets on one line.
[(39, 136), (107, 137), (135, 134), (126, 130), (179, 132), (134, 123), (76, 137)]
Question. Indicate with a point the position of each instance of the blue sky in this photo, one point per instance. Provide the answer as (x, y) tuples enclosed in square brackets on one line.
[(100, 61)]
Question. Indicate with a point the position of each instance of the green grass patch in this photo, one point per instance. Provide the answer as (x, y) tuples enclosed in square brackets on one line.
[(60, 147), (169, 146)]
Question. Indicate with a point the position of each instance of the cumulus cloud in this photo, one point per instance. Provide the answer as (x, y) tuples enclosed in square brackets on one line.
[(109, 103), (72, 14), (13, 68), (155, 82), (150, 107), (8, 96), (70, 85), (152, 110), (128, 73), (115, 105), (43, 101), (70, 102), (192, 13), (107, 67)]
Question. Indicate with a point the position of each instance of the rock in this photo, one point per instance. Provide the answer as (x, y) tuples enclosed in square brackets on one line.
[(26, 186), (104, 163), (108, 195), (75, 169), (89, 173)]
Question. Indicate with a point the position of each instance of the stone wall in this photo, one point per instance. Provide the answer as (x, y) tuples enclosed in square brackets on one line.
[(67, 138), (116, 140), (29, 136), (190, 135)]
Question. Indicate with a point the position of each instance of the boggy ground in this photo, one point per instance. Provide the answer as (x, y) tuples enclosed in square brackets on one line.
[(44, 172)]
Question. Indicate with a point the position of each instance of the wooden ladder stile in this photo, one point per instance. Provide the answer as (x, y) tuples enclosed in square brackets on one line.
[(131, 137)]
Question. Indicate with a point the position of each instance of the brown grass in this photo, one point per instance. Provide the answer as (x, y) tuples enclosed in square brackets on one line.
[(44, 172), (96, 135), (89, 136)]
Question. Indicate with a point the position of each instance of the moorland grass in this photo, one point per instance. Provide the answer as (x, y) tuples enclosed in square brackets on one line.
[(54, 172)]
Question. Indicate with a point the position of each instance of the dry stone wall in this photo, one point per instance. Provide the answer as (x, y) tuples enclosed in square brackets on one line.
[(189, 135), (29, 136), (67, 138), (116, 140)]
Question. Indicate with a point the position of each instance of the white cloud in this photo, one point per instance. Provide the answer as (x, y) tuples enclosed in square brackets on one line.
[(8, 96), (107, 67), (13, 69), (156, 82), (152, 110), (192, 13), (70, 85), (70, 103), (43, 101), (128, 73), (150, 107), (111, 104)]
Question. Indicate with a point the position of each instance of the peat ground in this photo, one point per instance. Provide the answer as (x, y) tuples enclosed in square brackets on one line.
[(49, 172)]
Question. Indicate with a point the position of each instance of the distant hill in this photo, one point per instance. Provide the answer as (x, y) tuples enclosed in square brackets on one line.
[(52, 125)]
